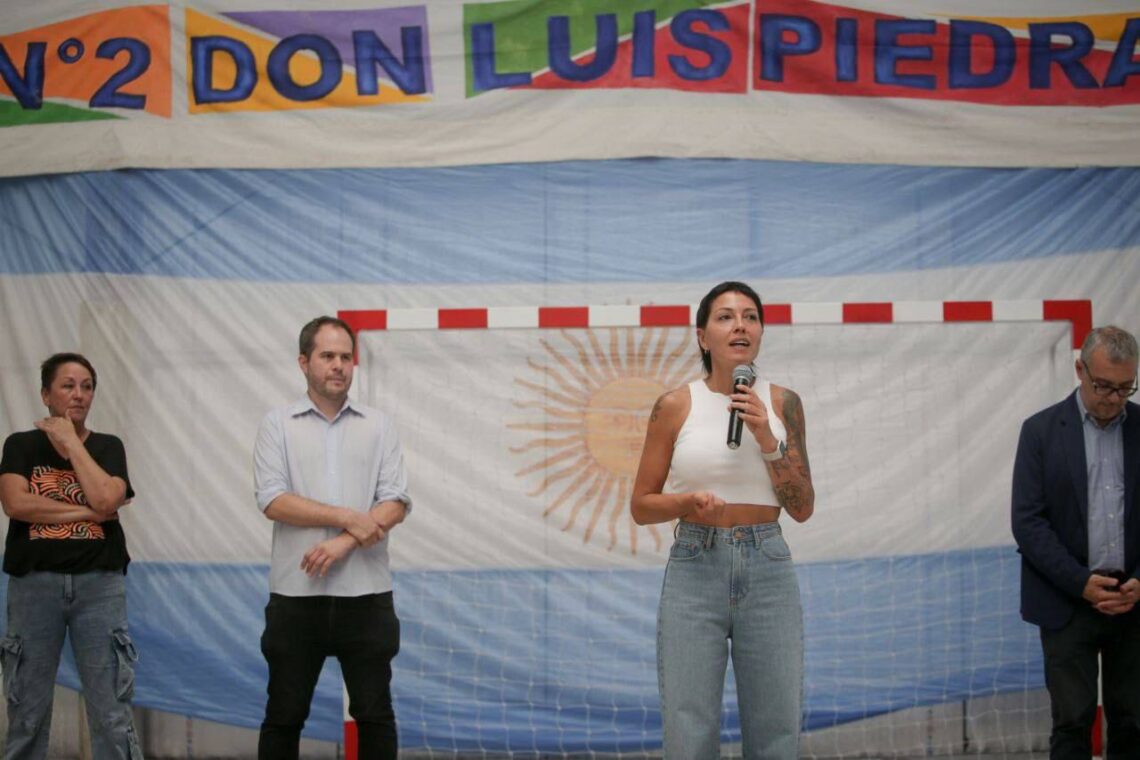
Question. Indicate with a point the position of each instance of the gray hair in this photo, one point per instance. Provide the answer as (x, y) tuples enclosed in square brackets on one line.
[(1118, 344)]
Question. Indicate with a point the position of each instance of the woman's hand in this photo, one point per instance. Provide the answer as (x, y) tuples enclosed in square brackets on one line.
[(754, 413), (61, 432), (707, 507)]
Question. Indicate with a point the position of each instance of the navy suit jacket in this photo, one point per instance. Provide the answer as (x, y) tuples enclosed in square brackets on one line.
[(1051, 507)]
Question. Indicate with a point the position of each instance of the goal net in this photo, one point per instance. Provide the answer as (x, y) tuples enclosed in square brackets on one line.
[(528, 596)]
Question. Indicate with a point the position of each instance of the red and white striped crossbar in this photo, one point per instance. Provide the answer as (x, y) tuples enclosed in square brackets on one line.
[(1077, 312)]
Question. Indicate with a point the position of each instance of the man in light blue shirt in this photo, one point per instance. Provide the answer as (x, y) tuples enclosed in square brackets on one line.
[(330, 474), (1076, 519)]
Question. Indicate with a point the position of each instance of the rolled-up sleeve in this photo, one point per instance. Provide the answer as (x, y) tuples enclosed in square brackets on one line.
[(392, 479), (270, 468)]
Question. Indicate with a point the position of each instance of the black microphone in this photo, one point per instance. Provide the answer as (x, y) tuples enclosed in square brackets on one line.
[(742, 375)]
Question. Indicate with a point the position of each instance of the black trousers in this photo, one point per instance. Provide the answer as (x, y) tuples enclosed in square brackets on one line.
[(1071, 677), (363, 633)]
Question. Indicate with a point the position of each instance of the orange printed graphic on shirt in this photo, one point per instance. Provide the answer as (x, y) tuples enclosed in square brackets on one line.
[(61, 485), (83, 529)]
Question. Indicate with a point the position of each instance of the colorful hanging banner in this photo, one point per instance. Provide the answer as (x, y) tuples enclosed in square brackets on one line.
[(441, 83)]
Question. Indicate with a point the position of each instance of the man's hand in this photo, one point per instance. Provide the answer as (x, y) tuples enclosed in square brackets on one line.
[(61, 432), (707, 507), (1106, 597), (1120, 600), (320, 558), (363, 528)]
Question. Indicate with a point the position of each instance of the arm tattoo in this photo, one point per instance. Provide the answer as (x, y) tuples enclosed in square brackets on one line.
[(791, 475), (790, 496), (794, 421), (656, 409)]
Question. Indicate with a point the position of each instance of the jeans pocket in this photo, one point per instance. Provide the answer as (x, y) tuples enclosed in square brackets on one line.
[(775, 547), (682, 551), (125, 659), (10, 649)]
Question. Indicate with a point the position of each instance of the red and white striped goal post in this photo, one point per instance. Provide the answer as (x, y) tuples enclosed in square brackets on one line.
[(1077, 312)]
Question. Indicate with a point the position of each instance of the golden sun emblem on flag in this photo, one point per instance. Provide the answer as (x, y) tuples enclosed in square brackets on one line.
[(591, 394)]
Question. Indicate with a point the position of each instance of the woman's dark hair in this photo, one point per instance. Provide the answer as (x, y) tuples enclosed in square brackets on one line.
[(52, 364), (308, 337), (706, 306)]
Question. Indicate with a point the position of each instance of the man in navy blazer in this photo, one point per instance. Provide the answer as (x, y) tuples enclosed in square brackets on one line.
[(1076, 520)]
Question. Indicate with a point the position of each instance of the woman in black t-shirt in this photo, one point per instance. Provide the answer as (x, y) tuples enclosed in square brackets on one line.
[(62, 485)]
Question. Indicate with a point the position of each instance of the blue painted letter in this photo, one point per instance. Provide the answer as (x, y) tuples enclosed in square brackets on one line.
[(1123, 64), (888, 52), (202, 50), (962, 34), (1042, 54), (773, 48), (28, 89), (483, 62), (332, 67), (561, 55), (720, 54), (644, 44), (371, 50)]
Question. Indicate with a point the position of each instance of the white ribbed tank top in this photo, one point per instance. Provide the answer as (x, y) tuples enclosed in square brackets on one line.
[(702, 460)]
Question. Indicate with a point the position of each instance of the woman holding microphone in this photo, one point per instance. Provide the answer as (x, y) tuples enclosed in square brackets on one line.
[(730, 576)]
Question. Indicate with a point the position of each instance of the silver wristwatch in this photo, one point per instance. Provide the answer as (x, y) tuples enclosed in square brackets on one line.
[(772, 456)]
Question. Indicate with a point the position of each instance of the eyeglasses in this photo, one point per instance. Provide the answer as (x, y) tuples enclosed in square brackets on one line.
[(1104, 389)]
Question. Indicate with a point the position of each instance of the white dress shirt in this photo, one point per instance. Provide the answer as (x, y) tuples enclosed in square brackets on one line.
[(354, 461)]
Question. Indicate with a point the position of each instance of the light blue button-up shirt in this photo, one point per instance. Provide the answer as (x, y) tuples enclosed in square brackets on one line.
[(1104, 457), (354, 461)]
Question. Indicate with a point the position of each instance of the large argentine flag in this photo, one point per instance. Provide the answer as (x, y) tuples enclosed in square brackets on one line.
[(527, 595)]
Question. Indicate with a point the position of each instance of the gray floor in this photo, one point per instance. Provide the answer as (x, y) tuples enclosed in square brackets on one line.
[(1004, 727)]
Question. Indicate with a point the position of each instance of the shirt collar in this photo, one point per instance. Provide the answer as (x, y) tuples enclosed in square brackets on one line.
[(1086, 418), (305, 405)]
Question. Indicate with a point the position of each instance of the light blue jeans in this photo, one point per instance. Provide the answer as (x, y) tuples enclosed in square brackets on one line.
[(91, 608), (730, 584)]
